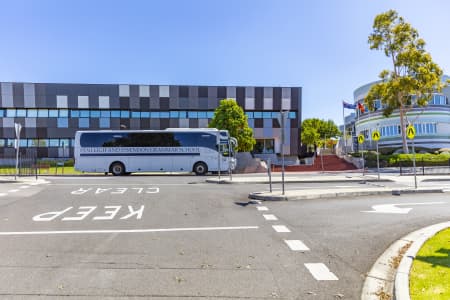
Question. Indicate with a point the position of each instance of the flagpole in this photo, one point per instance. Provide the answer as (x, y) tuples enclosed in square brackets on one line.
[(345, 132)]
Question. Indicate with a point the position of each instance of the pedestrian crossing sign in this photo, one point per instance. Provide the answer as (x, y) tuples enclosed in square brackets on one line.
[(410, 132), (376, 135), (361, 138)]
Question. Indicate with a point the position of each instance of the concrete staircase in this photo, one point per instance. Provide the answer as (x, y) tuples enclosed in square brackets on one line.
[(331, 162)]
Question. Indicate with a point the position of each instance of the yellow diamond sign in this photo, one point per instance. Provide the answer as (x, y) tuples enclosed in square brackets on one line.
[(410, 132), (376, 135), (360, 138)]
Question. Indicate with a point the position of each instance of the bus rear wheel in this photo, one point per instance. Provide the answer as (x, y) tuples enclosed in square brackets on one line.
[(200, 168), (117, 169)]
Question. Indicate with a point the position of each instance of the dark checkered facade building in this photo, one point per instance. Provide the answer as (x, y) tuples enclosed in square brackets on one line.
[(51, 113)]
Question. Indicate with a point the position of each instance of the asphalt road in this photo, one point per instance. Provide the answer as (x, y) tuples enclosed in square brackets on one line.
[(176, 237)]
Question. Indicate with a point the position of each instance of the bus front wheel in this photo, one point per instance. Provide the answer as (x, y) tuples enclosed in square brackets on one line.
[(117, 169), (200, 168)]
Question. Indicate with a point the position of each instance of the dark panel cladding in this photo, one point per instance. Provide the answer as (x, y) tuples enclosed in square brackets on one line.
[(145, 123), (294, 97), (124, 123), (275, 123), (183, 91), (221, 92), (41, 133), (145, 104), (203, 91), (18, 98), (124, 103), (134, 90), (277, 99), (259, 123), (164, 123), (240, 96), (193, 123), (259, 98), (164, 103)]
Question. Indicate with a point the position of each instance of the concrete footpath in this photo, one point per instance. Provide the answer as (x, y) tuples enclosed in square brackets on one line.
[(389, 183)]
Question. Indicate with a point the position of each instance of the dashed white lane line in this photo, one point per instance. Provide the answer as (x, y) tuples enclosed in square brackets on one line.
[(280, 228), (296, 245), (24, 187), (270, 217), (262, 208), (3, 194), (320, 272), (13, 191)]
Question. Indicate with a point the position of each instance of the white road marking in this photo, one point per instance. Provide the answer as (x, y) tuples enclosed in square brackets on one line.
[(296, 245), (3, 194), (126, 230), (280, 228), (270, 217), (262, 208), (13, 191), (24, 187), (393, 209), (320, 272)]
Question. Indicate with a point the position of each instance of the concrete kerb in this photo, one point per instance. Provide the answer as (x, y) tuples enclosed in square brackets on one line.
[(418, 238), (314, 194), (385, 278)]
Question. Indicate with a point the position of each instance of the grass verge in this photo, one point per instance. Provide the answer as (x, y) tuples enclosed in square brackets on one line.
[(430, 272)]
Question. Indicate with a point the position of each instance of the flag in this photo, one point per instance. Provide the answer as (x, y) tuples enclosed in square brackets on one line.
[(348, 105), (361, 107)]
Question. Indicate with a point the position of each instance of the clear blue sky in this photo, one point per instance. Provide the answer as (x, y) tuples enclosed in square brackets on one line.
[(318, 45)]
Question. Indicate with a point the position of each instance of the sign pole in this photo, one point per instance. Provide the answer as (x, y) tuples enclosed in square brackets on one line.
[(378, 162), (411, 133), (18, 128)]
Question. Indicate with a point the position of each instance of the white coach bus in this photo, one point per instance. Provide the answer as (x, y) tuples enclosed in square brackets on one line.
[(170, 150)]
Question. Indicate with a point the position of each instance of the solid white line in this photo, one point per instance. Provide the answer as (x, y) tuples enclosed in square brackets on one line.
[(13, 191), (126, 230), (280, 228), (320, 272), (24, 187), (270, 217), (3, 194), (296, 245), (260, 208)]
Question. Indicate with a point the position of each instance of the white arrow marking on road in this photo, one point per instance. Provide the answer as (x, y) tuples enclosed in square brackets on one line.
[(393, 209)]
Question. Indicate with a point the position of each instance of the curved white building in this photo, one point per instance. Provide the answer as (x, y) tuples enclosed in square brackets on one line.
[(432, 122)]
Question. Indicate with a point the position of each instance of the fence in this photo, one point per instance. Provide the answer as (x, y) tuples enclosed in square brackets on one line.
[(28, 165), (423, 168)]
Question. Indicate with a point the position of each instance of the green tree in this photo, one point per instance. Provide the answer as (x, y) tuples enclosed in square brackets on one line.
[(316, 132), (414, 77), (230, 116)]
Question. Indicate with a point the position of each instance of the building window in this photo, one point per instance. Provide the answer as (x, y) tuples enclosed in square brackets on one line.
[(53, 113), (105, 114), (63, 122), (64, 113), (264, 146), (10, 113), (53, 142), (95, 114), (124, 114), (115, 114), (21, 113), (145, 114), (83, 122), (84, 114), (104, 123), (174, 114), (74, 113), (64, 142), (136, 114), (43, 113), (33, 143), (32, 113)]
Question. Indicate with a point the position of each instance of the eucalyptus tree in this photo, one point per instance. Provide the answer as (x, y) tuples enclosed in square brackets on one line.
[(414, 76)]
